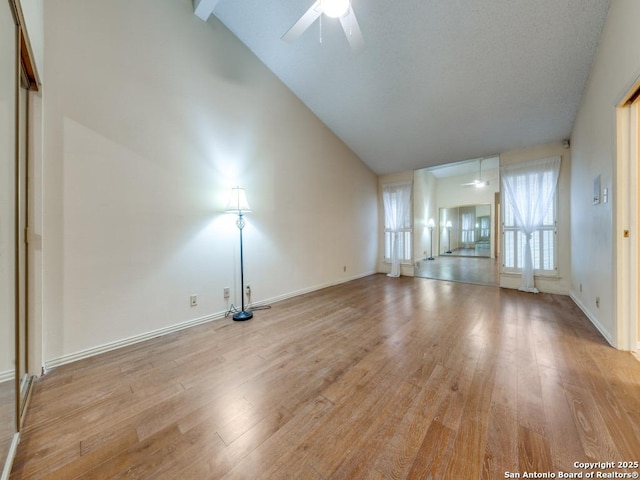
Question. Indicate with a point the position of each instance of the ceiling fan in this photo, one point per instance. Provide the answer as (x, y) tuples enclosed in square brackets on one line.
[(340, 9), (478, 182)]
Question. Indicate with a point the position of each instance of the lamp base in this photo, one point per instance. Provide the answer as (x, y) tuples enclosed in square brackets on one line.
[(448, 251), (430, 258), (243, 315)]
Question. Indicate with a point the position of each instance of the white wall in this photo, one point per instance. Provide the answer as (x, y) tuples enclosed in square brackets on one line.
[(452, 192), (151, 115), (561, 283), (615, 68)]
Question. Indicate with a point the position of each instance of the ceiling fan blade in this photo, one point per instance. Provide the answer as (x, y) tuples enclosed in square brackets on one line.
[(352, 30), (303, 22)]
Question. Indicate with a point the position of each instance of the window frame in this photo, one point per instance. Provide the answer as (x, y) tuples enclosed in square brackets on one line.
[(407, 246)]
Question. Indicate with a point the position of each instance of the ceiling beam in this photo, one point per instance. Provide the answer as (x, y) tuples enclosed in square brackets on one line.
[(204, 8)]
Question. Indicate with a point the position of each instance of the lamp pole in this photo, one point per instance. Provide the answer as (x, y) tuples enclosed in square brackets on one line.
[(449, 236), (242, 315), (238, 204), (431, 225)]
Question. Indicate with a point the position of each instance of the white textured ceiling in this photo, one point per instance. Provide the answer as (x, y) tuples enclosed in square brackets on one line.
[(438, 81)]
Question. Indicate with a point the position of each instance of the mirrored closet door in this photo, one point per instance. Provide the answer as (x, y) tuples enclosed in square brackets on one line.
[(18, 79), (466, 230), (22, 255), (8, 219)]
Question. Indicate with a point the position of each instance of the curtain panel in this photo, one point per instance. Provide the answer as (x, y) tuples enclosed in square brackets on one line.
[(530, 189), (396, 199)]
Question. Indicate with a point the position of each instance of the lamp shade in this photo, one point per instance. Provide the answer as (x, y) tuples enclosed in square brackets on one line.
[(237, 201), (448, 224), (431, 223)]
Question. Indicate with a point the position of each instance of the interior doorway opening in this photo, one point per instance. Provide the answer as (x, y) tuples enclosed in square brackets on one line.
[(455, 229), (627, 222)]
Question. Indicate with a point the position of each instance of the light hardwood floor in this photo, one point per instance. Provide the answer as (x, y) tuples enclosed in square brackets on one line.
[(378, 378)]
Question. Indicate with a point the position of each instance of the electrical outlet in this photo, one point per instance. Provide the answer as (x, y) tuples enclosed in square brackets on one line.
[(247, 289), (226, 292), (598, 302), (580, 288), (193, 300), (344, 268)]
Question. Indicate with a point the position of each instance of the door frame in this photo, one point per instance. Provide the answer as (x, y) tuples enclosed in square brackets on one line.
[(626, 221)]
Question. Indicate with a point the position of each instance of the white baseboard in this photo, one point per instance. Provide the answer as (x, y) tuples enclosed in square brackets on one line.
[(6, 471), (606, 334), (544, 284), (107, 347)]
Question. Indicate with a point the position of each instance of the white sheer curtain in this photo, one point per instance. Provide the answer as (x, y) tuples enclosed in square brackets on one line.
[(468, 227), (397, 208), (484, 227), (530, 188)]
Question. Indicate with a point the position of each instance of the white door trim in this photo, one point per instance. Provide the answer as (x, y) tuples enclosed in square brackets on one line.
[(626, 220)]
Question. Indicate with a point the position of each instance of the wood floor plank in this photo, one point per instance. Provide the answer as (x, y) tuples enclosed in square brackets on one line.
[(405, 438), (369, 448), (534, 454), (562, 433), (594, 435), (120, 455), (194, 461), (375, 378), (281, 448), (431, 459), (501, 451), (471, 436)]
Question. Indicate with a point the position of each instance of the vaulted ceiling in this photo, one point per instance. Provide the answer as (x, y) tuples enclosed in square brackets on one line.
[(437, 81)]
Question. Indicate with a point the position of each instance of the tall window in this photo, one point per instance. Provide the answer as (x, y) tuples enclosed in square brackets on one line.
[(398, 231), (529, 219), (543, 245), (468, 220)]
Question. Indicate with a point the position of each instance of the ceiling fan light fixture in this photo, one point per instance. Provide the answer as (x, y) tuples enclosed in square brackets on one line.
[(335, 8)]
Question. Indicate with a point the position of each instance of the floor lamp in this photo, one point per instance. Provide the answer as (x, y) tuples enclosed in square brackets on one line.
[(238, 204), (448, 227), (431, 224)]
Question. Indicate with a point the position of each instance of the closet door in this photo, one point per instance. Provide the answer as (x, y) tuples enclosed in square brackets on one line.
[(22, 211), (8, 225)]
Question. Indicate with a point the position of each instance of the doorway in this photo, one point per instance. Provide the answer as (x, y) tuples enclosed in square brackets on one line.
[(627, 222), (455, 219)]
